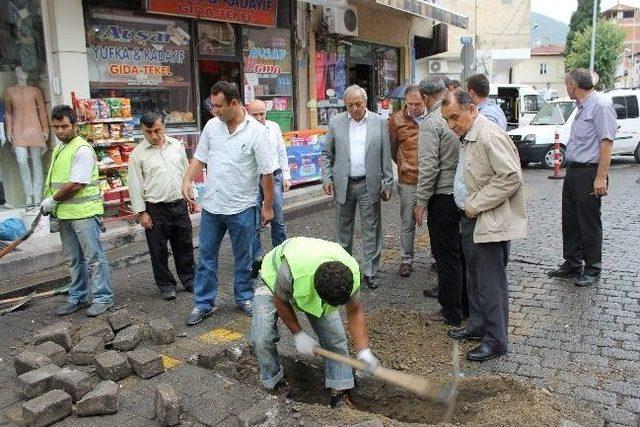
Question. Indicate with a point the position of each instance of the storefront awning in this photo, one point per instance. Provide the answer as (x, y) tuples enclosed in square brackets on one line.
[(428, 10)]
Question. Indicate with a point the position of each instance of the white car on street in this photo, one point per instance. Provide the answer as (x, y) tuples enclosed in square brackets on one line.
[(535, 141)]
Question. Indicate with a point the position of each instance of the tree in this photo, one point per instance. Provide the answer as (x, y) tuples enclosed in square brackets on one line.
[(609, 37), (580, 19)]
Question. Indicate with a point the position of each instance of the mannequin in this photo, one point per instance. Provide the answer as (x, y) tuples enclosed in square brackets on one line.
[(28, 131)]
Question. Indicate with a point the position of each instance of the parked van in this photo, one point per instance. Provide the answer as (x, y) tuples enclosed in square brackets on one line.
[(520, 103), (535, 141)]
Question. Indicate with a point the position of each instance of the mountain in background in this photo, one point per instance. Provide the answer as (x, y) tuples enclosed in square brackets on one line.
[(548, 31)]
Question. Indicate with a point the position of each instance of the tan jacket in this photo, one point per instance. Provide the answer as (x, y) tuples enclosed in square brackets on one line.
[(403, 135), (494, 181)]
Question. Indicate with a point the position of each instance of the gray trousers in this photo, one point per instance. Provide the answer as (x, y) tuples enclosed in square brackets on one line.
[(487, 286), (407, 221), (370, 224)]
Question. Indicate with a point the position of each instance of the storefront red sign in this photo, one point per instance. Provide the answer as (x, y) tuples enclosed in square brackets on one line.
[(254, 12)]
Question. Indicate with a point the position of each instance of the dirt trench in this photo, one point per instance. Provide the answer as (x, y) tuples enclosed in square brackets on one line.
[(406, 341)]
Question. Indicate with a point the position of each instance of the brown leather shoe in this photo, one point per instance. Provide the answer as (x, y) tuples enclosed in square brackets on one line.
[(404, 270)]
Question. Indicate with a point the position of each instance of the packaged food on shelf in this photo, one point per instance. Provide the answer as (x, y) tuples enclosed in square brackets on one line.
[(124, 177), (103, 184), (115, 131), (103, 108), (126, 107), (114, 180), (83, 130), (114, 153), (115, 107), (127, 129), (125, 152), (98, 131)]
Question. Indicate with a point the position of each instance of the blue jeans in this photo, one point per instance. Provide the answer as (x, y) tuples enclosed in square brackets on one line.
[(241, 227), (278, 232), (89, 265), (264, 336)]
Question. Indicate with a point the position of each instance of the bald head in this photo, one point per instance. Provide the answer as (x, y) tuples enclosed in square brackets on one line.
[(258, 109)]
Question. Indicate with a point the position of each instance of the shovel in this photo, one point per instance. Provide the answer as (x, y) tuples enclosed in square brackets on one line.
[(19, 304), (24, 237), (420, 386)]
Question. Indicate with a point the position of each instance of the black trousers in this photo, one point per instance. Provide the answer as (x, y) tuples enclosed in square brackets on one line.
[(487, 285), (581, 220), (443, 222), (171, 223)]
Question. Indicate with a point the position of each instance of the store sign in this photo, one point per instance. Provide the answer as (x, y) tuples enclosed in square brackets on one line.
[(144, 53), (254, 12)]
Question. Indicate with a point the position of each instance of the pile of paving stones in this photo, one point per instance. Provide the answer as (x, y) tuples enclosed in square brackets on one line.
[(68, 370)]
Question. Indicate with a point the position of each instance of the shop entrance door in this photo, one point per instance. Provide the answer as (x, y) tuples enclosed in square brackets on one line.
[(362, 75), (210, 72)]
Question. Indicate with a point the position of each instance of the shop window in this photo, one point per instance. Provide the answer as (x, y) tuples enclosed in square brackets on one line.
[(216, 39), (146, 59), (266, 55), (24, 123)]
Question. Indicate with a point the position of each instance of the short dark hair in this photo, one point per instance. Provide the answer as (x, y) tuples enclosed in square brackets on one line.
[(459, 96), (411, 88), (334, 282), (454, 83), (479, 83), (447, 81), (432, 86), (59, 112), (228, 89), (149, 118), (581, 77)]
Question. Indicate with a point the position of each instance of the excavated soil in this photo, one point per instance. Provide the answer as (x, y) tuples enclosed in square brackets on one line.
[(406, 341)]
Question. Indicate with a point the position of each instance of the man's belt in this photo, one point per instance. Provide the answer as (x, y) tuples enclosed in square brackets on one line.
[(172, 203), (357, 178), (276, 172), (581, 165)]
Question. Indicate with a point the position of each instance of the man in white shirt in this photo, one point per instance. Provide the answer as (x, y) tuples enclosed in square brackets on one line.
[(156, 168), (281, 179), (357, 171), (234, 148)]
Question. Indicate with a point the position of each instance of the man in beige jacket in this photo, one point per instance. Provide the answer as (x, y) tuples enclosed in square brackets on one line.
[(489, 188)]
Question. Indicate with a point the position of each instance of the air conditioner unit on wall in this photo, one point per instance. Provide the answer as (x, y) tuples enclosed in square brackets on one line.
[(438, 66), (342, 21)]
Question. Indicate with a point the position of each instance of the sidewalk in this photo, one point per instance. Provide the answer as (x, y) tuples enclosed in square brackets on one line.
[(40, 259)]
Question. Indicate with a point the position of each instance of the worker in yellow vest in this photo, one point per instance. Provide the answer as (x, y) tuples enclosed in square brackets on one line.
[(72, 195), (314, 277)]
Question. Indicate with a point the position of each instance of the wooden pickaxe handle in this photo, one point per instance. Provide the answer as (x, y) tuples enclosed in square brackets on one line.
[(21, 239), (417, 385)]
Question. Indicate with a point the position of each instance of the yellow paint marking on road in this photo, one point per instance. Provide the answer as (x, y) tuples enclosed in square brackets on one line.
[(220, 334), (170, 362)]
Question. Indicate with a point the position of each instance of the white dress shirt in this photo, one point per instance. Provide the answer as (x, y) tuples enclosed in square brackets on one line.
[(234, 164), (358, 145), (278, 150)]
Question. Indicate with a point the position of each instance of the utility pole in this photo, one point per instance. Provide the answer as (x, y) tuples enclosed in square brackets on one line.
[(593, 35)]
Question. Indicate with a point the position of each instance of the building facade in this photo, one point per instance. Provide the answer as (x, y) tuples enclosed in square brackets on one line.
[(628, 18), (165, 55), (546, 66), (497, 38)]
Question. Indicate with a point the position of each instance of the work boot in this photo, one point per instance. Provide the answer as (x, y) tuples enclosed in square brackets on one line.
[(69, 308), (340, 398), (371, 282), (587, 280), (404, 270), (98, 308)]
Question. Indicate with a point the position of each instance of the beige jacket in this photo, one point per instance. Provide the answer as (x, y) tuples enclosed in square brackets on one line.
[(494, 181)]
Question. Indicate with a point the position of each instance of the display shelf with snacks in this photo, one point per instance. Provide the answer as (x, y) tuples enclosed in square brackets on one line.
[(106, 123)]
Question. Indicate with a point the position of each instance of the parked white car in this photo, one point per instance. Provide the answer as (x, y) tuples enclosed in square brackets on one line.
[(535, 141)]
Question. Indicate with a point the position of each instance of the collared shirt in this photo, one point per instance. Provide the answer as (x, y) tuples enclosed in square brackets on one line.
[(155, 174), (460, 192), (278, 150), (358, 145), (493, 112), (234, 164), (595, 121)]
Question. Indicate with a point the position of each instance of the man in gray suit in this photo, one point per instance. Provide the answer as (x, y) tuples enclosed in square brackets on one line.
[(357, 171)]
